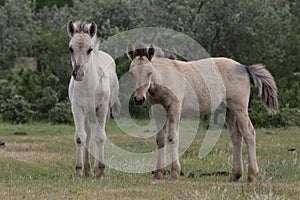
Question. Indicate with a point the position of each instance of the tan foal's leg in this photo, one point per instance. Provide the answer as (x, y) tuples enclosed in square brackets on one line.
[(236, 138), (248, 133), (161, 154), (160, 121), (252, 160), (173, 139)]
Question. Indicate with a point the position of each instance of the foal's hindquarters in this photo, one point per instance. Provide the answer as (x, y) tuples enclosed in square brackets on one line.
[(237, 81), (238, 121)]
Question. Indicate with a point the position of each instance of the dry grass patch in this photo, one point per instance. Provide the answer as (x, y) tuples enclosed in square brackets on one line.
[(41, 165)]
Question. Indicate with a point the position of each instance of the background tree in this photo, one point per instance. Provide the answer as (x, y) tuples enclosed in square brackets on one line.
[(250, 32)]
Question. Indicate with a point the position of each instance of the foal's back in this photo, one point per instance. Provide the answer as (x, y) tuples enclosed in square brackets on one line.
[(213, 80)]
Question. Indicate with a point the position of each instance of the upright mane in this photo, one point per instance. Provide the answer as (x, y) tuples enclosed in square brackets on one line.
[(81, 27), (141, 49), (84, 27)]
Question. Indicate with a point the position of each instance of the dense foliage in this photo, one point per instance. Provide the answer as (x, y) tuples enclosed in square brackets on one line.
[(248, 31)]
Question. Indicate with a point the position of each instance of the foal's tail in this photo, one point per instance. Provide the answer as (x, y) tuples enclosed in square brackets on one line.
[(267, 89)]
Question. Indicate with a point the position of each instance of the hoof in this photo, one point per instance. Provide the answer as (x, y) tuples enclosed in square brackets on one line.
[(175, 174), (100, 175), (99, 170), (77, 176), (252, 178), (175, 171), (159, 174), (252, 175), (78, 173), (234, 177), (87, 170)]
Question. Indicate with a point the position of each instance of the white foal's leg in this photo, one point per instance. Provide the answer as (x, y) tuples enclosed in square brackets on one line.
[(86, 160), (161, 122), (236, 138), (173, 138), (80, 138), (100, 138)]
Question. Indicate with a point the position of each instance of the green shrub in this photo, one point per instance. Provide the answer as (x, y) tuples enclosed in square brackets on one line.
[(45, 103), (7, 90), (13, 107), (285, 116), (291, 116), (38, 88), (61, 113), (16, 110)]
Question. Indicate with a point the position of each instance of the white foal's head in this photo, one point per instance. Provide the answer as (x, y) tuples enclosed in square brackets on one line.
[(83, 42)]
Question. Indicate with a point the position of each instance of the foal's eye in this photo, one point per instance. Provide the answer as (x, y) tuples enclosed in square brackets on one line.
[(149, 74), (71, 49), (89, 50)]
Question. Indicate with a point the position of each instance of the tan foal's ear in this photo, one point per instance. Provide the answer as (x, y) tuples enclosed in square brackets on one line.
[(70, 28), (130, 52), (151, 51), (93, 29)]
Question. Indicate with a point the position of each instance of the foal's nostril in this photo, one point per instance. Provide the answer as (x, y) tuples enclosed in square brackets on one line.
[(136, 99), (139, 100), (74, 73)]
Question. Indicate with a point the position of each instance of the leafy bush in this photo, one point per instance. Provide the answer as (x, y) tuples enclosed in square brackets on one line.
[(44, 104), (36, 91), (16, 110), (291, 116), (7, 90), (13, 107), (26, 83), (61, 113), (28, 28)]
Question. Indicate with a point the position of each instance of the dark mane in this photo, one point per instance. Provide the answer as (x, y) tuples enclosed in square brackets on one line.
[(81, 27), (141, 49)]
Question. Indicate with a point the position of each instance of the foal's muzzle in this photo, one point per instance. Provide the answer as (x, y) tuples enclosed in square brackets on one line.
[(77, 75), (139, 100)]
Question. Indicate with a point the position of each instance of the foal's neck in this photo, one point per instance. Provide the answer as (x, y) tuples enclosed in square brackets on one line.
[(91, 72)]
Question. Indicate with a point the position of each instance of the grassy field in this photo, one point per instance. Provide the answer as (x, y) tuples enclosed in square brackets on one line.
[(40, 165)]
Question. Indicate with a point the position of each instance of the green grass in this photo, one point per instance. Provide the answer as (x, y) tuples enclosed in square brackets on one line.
[(40, 165)]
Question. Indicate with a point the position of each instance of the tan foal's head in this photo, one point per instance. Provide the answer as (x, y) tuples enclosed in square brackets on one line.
[(141, 70), (83, 42)]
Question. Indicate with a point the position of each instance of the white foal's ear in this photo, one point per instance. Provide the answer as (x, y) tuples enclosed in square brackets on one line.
[(70, 28), (130, 52), (151, 51), (93, 29)]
